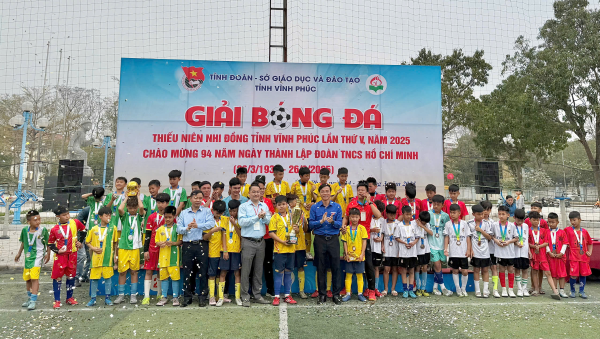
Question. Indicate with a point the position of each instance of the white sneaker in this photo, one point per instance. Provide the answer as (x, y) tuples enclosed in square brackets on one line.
[(220, 302), (504, 293), (447, 292), (239, 302), (496, 294), (520, 292), (486, 293), (437, 292), (478, 294), (464, 293), (525, 292), (511, 293)]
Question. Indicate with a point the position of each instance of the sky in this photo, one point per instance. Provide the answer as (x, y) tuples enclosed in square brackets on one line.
[(96, 34)]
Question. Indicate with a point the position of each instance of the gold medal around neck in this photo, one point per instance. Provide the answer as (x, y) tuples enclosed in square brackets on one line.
[(479, 243), (422, 246), (437, 235), (458, 243), (353, 248)]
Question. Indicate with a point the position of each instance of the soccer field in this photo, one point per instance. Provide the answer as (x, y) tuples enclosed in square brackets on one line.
[(432, 317)]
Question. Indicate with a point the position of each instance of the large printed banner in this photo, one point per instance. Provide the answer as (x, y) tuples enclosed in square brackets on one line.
[(207, 118)]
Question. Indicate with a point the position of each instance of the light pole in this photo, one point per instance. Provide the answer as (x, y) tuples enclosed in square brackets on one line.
[(106, 143), (21, 122)]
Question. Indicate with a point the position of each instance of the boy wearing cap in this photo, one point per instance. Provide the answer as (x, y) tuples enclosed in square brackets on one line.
[(278, 186), (64, 240), (177, 193)]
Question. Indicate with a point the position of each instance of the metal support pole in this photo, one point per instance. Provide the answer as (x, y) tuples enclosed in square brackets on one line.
[(17, 217), (106, 147), (6, 217), (563, 212)]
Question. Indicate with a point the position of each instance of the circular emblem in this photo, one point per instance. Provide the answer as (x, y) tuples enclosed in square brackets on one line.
[(376, 84), (280, 119)]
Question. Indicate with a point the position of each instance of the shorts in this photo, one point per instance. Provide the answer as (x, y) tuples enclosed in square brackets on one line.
[(64, 265), (357, 267), (481, 262), (31, 273), (521, 263), (493, 259), (300, 259), (172, 272), (423, 259), (456, 263), (152, 262), (283, 261), (539, 266), (213, 266), (580, 269), (128, 260), (506, 262), (101, 272), (437, 255), (390, 262), (234, 262), (377, 259), (407, 262), (558, 268)]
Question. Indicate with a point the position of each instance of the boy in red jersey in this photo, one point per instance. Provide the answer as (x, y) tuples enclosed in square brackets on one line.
[(410, 191), (372, 189), (557, 256), (427, 204), (390, 198), (151, 251), (454, 192), (64, 240), (580, 251), (538, 247)]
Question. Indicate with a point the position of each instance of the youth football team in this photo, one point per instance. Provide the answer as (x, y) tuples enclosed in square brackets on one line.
[(399, 235)]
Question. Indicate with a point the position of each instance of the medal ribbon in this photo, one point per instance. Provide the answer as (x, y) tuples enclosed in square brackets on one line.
[(285, 223), (231, 230), (503, 234), (277, 188), (391, 231), (521, 233), (132, 224), (30, 240), (169, 230), (407, 231), (479, 233), (553, 239), (456, 231), (152, 205), (117, 201), (66, 236), (353, 237), (102, 235), (344, 192), (436, 221), (429, 206), (536, 237), (303, 191), (579, 238), (172, 194)]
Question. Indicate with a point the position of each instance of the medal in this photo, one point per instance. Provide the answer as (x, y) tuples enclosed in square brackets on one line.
[(479, 243), (422, 246), (344, 193), (458, 243), (536, 238), (132, 226), (353, 248), (391, 232), (30, 243), (503, 234), (579, 240), (553, 239), (304, 191), (231, 230), (436, 222), (456, 232), (169, 233), (173, 195), (353, 237), (520, 234), (436, 234), (65, 236), (429, 206)]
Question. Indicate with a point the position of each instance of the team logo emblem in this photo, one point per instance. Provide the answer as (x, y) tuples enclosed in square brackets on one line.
[(193, 79), (376, 84), (280, 119)]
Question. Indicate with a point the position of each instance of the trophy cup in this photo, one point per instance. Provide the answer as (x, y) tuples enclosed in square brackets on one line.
[(132, 189), (296, 219)]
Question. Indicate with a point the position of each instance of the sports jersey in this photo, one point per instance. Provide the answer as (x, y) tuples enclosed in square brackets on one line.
[(281, 226), (353, 239), (463, 207), (479, 243), (408, 233), (558, 242), (505, 232), (114, 218), (131, 233), (304, 194), (395, 202), (426, 205), (215, 245), (346, 194), (93, 218), (376, 223), (390, 231), (103, 237), (543, 223), (153, 223), (274, 190), (523, 233), (34, 245), (415, 206), (491, 244), (301, 245), (177, 195), (577, 242), (437, 224), (149, 204), (539, 236), (458, 233), (66, 235), (168, 255), (423, 244), (366, 213), (245, 190), (233, 239)]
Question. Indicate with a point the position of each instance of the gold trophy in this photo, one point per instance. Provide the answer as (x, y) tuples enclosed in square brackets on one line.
[(132, 189), (296, 219)]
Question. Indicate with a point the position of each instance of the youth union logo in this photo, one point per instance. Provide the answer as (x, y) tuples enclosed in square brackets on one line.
[(376, 84), (193, 78)]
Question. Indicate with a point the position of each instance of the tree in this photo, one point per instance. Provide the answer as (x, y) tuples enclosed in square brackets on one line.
[(461, 161), (460, 75), (566, 66), (509, 123)]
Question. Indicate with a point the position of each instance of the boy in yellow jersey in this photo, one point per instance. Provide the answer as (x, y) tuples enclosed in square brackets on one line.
[(300, 257), (35, 239), (303, 189), (102, 241), (169, 243), (130, 242), (214, 238), (323, 179), (278, 186), (230, 257), (177, 193), (284, 250), (355, 244), (242, 174)]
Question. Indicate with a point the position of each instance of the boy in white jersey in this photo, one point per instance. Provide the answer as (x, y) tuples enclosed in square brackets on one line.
[(481, 233), (505, 236), (376, 243), (521, 253), (390, 249), (487, 210), (408, 239), (423, 251), (457, 246), (437, 222)]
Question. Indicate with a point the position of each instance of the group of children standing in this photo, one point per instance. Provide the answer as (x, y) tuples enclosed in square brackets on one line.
[(410, 236)]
